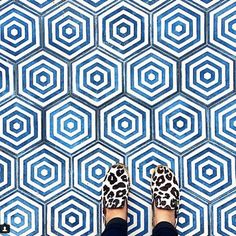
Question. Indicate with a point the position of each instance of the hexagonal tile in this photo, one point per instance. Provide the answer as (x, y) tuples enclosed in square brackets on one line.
[(180, 123), (223, 18), (23, 214), (139, 220), (208, 75), (142, 82), (178, 28), (223, 117), (21, 32), (151, 77), (193, 216), (125, 124), (20, 126), (43, 78), (96, 161), (209, 171), (145, 161), (224, 216), (98, 77), (69, 30), (72, 125), (8, 175), (123, 25), (72, 214), (7, 85), (45, 172)]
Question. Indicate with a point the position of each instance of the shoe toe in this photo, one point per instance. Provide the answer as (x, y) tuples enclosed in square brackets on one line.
[(116, 187), (165, 188)]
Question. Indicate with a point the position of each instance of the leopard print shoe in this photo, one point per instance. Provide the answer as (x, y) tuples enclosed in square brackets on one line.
[(165, 189), (116, 187)]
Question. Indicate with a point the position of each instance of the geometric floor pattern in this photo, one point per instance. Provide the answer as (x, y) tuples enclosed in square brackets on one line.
[(86, 84)]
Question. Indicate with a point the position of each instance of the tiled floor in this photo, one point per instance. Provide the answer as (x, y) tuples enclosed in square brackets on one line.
[(88, 83)]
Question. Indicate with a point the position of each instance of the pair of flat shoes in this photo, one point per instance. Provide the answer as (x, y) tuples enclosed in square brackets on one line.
[(164, 188)]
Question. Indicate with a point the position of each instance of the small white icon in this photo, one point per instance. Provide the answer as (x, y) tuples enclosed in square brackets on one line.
[(5, 228)]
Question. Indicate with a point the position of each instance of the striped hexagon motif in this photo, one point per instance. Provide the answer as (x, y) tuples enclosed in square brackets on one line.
[(223, 118), (69, 30), (125, 124), (178, 28), (20, 126), (3, 2), (96, 161), (7, 173), (6, 81), (122, 29), (209, 171), (223, 18), (97, 77), (180, 123), (72, 214), (41, 5), (95, 5), (151, 76), (139, 220), (150, 4), (71, 125), (20, 32), (145, 161), (23, 214), (206, 3), (224, 215), (207, 75), (43, 78), (44, 172), (85, 84), (193, 216)]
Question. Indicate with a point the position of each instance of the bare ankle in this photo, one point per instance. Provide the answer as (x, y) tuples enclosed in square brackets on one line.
[(114, 213), (164, 215)]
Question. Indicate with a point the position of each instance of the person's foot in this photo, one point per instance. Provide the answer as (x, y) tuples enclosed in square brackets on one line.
[(116, 213), (165, 195), (115, 192), (164, 215)]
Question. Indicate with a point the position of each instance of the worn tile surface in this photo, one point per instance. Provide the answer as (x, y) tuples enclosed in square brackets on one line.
[(85, 84)]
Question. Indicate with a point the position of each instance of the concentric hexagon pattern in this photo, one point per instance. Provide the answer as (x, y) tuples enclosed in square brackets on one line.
[(20, 32), (21, 125), (43, 78), (74, 214), (69, 30), (121, 27), (224, 212), (45, 172), (85, 84), (7, 80), (225, 36), (97, 77), (209, 171), (23, 214), (96, 160), (71, 125), (180, 123), (178, 28)]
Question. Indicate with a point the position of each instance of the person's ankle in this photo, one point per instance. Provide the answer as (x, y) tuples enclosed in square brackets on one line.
[(162, 215), (116, 213)]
